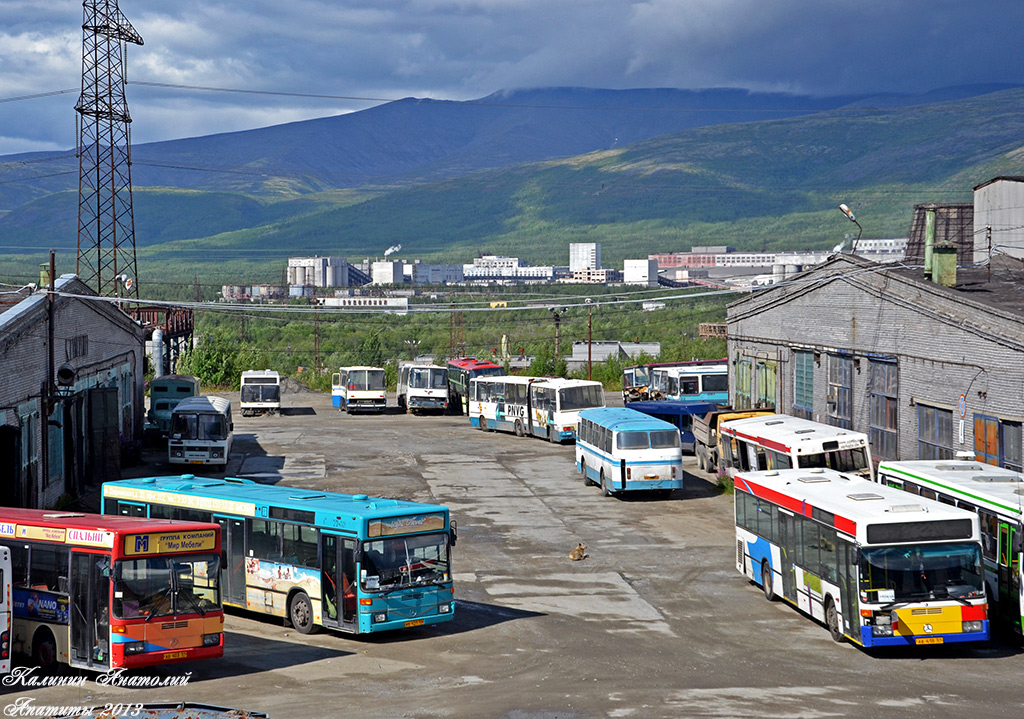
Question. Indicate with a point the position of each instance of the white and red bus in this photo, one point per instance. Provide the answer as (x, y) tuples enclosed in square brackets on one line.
[(100, 592), (779, 441), (876, 566), (460, 371)]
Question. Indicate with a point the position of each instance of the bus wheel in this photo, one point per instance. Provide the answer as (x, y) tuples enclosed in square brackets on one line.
[(551, 435), (605, 490), (483, 423), (44, 649), (583, 469), (519, 428), (766, 581), (832, 620), (300, 612)]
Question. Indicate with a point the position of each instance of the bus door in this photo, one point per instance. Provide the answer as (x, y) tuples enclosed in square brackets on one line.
[(787, 550), (1010, 604), (5, 610), (232, 533), (338, 584), (90, 611)]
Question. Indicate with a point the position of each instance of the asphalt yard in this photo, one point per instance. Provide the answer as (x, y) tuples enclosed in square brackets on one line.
[(654, 622)]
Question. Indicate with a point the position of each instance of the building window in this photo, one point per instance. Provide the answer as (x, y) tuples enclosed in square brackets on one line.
[(840, 390), (934, 433), (766, 384), (803, 384), (883, 388), (743, 377)]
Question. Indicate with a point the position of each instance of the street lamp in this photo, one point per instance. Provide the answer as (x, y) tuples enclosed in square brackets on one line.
[(860, 230)]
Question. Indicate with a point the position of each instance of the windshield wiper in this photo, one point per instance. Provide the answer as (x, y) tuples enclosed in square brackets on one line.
[(166, 593), (192, 599)]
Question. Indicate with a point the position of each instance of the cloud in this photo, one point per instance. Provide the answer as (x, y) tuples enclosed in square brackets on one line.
[(464, 49)]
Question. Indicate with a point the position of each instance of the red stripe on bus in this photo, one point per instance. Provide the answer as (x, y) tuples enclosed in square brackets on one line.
[(770, 444), (846, 525), (799, 506)]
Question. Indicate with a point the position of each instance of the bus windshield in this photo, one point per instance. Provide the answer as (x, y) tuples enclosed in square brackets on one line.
[(366, 379), (423, 378), (260, 392), (841, 460), (486, 372), (161, 586), (397, 562), (199, 426), (571, 399), (916, 572), (658, 439)]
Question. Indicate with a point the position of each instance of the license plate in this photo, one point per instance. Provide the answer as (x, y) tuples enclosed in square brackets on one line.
[(175, 655), (414, 623), (195, 461), (928, 640)]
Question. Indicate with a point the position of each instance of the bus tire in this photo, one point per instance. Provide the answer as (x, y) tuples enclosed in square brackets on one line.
[(483, 423), (520, 431), (551, 435), (300, 613), (832, 621), (766, 581), (44, 649), (605, 489), (583, 467)]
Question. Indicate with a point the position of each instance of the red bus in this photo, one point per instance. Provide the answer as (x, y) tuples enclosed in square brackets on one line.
[(99, 592), (460, 371)]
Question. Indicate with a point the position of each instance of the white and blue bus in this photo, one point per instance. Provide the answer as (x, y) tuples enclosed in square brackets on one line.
[(696, 381), (876, 566), (501, 403), (422, 388), (359, 389), (555, 405), (347, 562), (622, 450)]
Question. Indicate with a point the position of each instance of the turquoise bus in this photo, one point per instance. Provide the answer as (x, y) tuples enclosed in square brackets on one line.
[(622, 450), (347, 562)]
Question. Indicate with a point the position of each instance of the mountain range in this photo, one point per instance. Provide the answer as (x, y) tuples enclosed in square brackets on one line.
[(527, 171)]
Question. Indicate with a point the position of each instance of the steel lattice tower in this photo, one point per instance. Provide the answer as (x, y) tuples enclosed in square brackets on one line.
[(106, 224)]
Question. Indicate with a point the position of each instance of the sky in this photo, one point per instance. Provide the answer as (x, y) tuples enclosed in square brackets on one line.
[(261, 56)]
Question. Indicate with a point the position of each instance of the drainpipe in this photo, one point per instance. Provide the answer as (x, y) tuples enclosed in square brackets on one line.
[(929, 241)]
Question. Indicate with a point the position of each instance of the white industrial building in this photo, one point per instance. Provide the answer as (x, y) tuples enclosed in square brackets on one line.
[(320, 272), (584, 256), (999, 219), (500, 268), (387, 272), (640, 272)]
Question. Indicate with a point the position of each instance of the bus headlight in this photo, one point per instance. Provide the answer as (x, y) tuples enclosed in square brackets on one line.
[(211, 640), (380, 617), (881, 630), (972, 627), (134, 647), (215, 453), (444, 608)]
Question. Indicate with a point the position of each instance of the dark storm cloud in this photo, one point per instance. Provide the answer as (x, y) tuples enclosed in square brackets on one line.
[(462, 49)]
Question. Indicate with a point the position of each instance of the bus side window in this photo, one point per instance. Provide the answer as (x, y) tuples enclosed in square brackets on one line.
[(19, 565), (762, 459), (742, 455), (989, 532), (46, 563), (265, 540)]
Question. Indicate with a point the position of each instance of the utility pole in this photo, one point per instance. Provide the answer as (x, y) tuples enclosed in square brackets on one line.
[(556, 315), (47, 398)]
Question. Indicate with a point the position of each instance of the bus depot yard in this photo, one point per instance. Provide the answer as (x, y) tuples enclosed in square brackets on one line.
[(654, 622)]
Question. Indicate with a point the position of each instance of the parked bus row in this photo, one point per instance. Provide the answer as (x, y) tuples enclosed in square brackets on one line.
[(145, 583), (541, 407)]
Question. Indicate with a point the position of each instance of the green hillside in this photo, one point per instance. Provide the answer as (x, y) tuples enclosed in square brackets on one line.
[(769, 184)]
